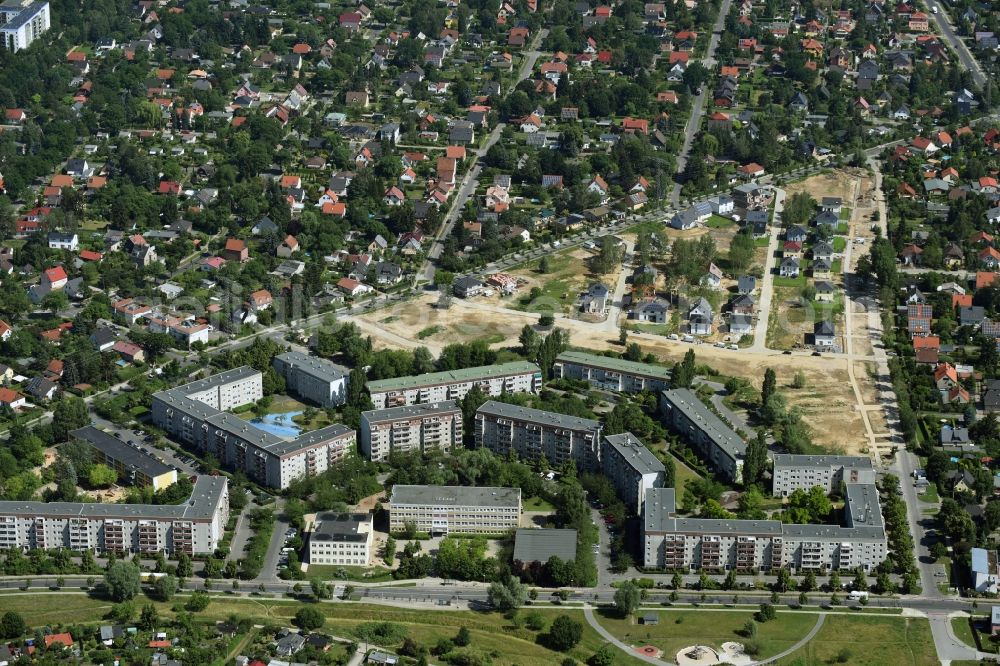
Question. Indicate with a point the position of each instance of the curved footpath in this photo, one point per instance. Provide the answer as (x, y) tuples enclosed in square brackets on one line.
[(588, 612)]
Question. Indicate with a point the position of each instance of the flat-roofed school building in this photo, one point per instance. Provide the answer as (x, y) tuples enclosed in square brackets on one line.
[(132, 465), (341, 539), (454, 509)]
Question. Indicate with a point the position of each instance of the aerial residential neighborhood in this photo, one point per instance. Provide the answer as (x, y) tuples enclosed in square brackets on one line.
[(499, 333)]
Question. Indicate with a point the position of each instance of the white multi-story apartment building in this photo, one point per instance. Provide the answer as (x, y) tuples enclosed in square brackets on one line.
[(454, 509), (194, 527), (792, 472), (532, 433), (670, 542), (312, 378), (422, 427), (22, 23), (196, 415), (343, 539), (493, 380), (611, 374), (707, 433), (631, 467)]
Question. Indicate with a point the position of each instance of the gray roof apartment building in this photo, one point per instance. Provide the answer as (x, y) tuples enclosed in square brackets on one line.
[(792, 472), (314, 379), (532, 433), (611, 374), (131, 464), (455, 509), (514, 377), (421, 427), (195, 414), (707, 433), (631, 468), (670, 542), (194, 527)]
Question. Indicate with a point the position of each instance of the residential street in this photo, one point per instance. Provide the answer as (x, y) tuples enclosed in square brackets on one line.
[(767, 282)]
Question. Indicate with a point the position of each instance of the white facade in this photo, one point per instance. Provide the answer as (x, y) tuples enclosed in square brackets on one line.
[(312, 378), (410, 428), (451, 509), (533, 433), (21, 24), (692, 544), (611, 374), (631, 468), (196, 415), (195, 527), (341, 540), (984, 570), (793, 472), (493, 380), (61, 241)]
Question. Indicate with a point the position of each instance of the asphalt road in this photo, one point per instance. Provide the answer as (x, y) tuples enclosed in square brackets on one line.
[(947, 33)]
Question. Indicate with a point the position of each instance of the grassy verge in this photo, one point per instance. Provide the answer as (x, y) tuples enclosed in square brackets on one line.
[(868, 641), (680, 629), (537, 504), (930, 494)]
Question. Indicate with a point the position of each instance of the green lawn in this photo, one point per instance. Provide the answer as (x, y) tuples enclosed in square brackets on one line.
[(719, 222), (683, 473), (845, 213), (963, 630), (491, 632), (868, 641), (930, 494), (537, 504), (678, 629), (839, 243), (655, 329), (367, 574)]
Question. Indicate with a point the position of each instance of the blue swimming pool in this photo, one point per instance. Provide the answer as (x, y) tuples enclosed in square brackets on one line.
[(279, 424)]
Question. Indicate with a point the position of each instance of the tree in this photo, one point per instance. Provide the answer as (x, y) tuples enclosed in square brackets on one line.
[(544, 265), (165, 587), (756, 460), (808, 583), (12, 625), (102, 476), (529, 341), (766, 613), (463, 637), (683, 374), (309, 618), (198, 602), (676, 581), (148, 618), (390, 551), (784, 580), (547, 319), (605, 656), (507, 594), (564, 634), (122, 581), (627, 598), (769, 387)]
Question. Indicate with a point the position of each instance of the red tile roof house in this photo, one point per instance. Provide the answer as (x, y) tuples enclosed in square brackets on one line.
[(14, 400), (55, 278), (236, 250), (5, 331), (130, 352), (926, 349), (352, 287), (65, 639)]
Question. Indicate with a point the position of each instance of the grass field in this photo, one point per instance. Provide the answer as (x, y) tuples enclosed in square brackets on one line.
[(930, 494), (683, 473), (868, 641), (537, 504), (492, 633), (719, 222), (679, 629), (963, 630)]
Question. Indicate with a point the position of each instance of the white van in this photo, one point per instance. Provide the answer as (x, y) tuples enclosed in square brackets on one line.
[(857, 595), (688, 338)]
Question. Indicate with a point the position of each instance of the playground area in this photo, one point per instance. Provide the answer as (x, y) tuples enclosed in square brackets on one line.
[(702, 655)]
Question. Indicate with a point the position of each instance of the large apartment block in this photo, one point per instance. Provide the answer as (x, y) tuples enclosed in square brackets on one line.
[(692, 544), (493, 380), (21, 23), (455, 509), (194, 527), (314, 379), (631, 467), (792, 472), (132, 465), (422, 427), (196, 415), (532, 433), (611, 374), (707, 433), (341, 539)]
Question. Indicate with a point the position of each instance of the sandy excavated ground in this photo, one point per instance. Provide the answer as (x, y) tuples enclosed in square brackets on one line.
[(839, 183), (827, 403)]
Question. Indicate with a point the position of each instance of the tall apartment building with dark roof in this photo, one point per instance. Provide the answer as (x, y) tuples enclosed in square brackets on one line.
[(532, 433), (196, 415), (311, 378), (515, 377)]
